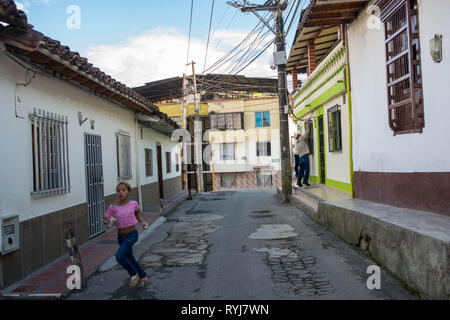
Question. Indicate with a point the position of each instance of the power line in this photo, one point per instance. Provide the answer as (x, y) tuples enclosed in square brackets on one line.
[(190, 29), (209, 33)]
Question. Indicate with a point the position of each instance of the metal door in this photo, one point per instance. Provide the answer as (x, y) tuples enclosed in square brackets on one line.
[(322, 151), (94, 183)]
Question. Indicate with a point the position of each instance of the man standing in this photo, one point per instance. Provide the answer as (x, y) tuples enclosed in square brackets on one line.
[(302, 156)]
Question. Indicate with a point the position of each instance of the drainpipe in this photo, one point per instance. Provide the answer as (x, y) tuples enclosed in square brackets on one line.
[(138, 167)]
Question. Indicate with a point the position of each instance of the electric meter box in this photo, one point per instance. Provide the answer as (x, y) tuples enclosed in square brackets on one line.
[(279, 58), (10, 234)]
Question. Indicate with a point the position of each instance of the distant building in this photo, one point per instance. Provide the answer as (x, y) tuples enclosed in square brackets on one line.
[(240, 115)]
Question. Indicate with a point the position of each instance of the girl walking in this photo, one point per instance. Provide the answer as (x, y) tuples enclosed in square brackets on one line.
[(126, 215)]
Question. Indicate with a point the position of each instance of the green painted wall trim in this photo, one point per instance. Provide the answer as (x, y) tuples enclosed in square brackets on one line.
[(350, 128), (322, 84), (336, 89), (346, 187), (331, 63)]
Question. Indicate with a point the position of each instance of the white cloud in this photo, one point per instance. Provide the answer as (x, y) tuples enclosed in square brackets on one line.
[(161, 53), (23, 6)]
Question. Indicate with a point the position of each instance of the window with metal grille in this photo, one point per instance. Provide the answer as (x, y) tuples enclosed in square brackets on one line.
[(168, 162), (227, 151), (148, 162), (263, 178), (124, 171), (263, 149), (262, 119), (403, 66), (50, 153), (177, 162), (334, 129), (228, 180), (227, 121)]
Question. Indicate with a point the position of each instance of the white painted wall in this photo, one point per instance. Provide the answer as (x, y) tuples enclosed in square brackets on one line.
[(375, 149), (338, 162), (60, 97), (148, 141)]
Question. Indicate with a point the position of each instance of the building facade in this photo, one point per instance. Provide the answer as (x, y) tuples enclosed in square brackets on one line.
[(245, 143), (399, 93), (71, 133)]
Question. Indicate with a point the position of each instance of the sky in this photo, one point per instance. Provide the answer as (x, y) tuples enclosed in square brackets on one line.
[(138, 41)]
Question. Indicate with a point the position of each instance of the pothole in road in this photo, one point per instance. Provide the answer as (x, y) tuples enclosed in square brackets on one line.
[(185, 244), (273, 231), (262, 211), (294, 271)]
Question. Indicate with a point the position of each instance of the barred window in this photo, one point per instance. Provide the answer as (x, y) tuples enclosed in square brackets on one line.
[(148, 162), (228, 180), (263, 178), (50, 153), (124, 171), (263, 149), (177, 162), (403, 65), (334, 129)]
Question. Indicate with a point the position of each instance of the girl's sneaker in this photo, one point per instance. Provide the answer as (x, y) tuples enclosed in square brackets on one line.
[(142, 282), (134, 281)]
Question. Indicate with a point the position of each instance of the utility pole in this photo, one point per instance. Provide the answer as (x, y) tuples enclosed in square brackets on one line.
[(277, 7), (186, 144), (198, 139)]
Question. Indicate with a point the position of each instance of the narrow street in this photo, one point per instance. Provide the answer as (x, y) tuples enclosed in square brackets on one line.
[(243, 244)]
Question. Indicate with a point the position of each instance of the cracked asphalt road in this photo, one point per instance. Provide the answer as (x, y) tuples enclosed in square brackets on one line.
[(243, 245)]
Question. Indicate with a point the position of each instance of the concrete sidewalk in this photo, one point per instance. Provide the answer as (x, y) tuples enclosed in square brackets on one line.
[(50, 282), (413, 245)]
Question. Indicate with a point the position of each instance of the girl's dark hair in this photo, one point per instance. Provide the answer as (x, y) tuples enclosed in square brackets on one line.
[(126, 184)]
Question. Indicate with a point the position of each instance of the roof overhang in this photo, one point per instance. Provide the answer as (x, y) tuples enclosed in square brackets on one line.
[(319, 23)]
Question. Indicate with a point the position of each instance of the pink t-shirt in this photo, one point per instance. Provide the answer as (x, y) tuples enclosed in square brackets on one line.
[(124, 215)]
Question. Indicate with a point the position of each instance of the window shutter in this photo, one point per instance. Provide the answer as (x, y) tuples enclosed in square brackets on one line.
[(403, 65), (221, 122), (237, 121), (258, 119), (229, 117), (213, 121), (266, 119)]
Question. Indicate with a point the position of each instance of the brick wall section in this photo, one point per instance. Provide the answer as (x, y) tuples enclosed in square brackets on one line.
[(294, 79), (247, 180), (311, 57)]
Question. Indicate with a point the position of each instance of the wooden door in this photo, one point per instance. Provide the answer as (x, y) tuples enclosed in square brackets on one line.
[(160, 170)]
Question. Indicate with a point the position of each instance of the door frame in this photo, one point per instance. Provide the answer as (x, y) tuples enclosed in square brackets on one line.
[(159, 164), (321, 142)]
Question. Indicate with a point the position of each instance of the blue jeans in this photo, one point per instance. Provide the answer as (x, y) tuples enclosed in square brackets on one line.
[(304, 170), (297, 163), (124, 255)]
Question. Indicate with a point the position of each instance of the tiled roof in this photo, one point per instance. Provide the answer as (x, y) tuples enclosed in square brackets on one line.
[(22, 40)]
